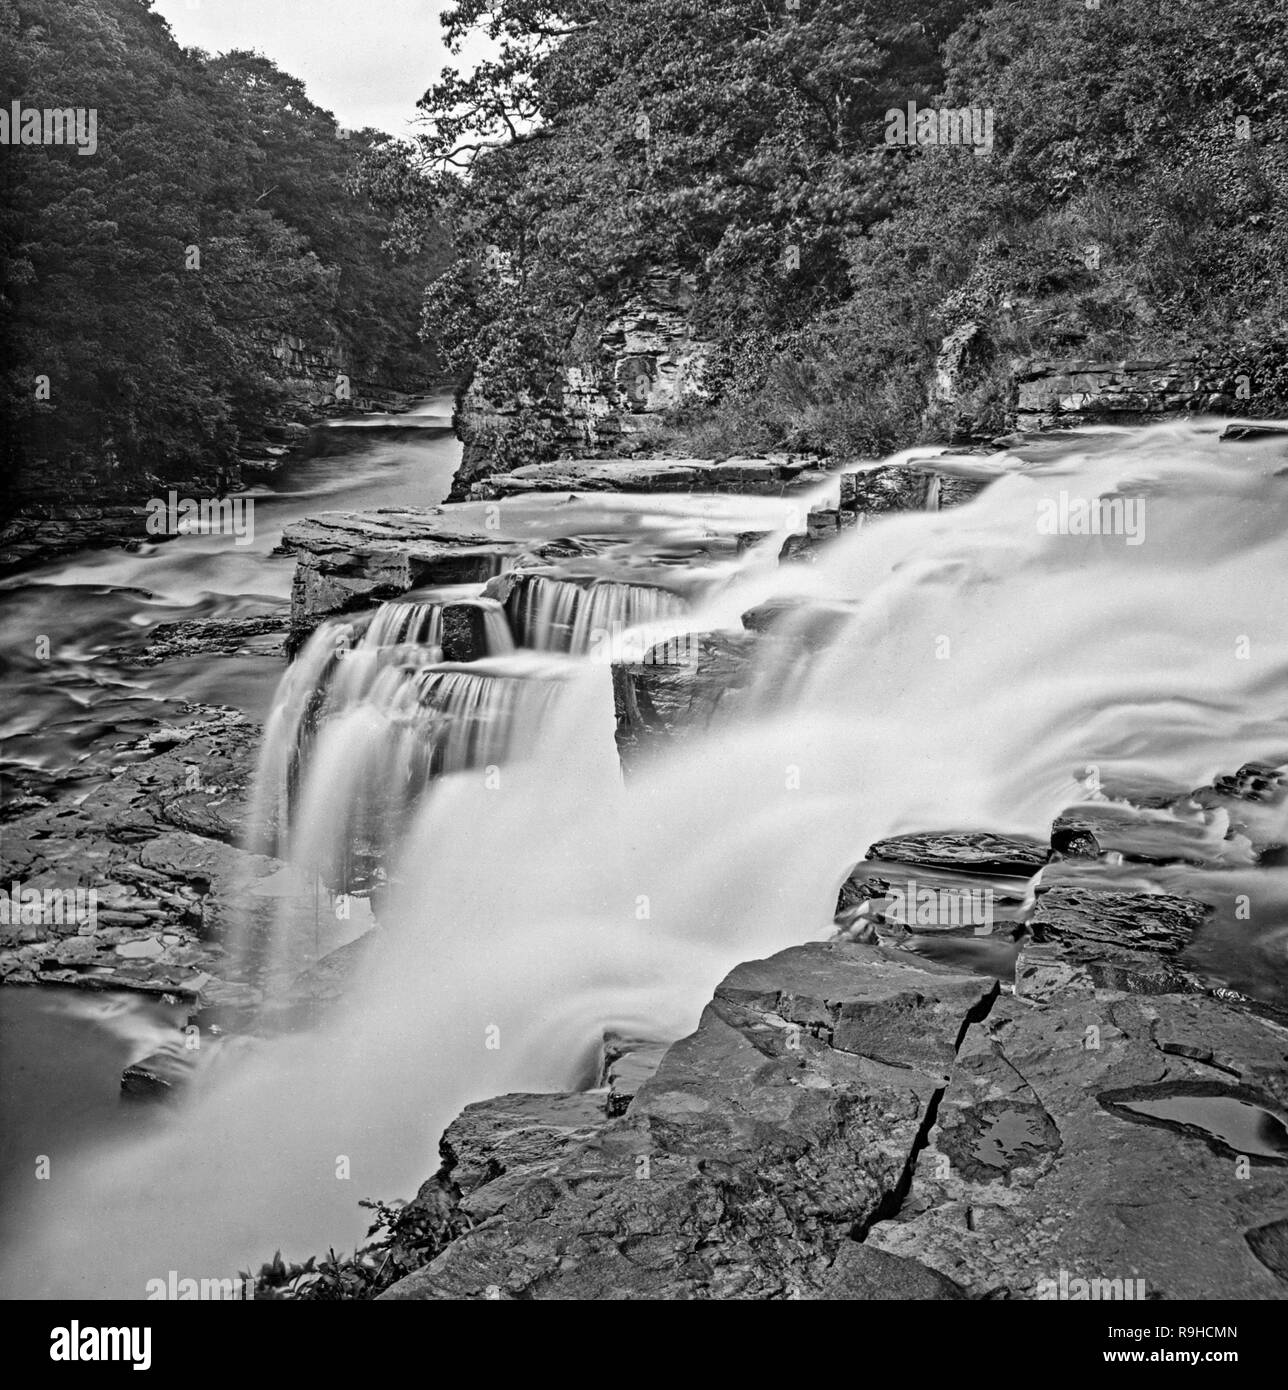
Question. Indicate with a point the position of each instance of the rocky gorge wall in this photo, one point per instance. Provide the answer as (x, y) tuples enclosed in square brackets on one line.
[(1061, 394), (650, 360)]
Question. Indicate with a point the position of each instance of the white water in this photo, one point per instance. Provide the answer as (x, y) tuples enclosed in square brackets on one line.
[(555, 615), (979, 671)]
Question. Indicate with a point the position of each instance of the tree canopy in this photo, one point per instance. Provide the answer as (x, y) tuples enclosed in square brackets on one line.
[(743, 142), (144, 281)]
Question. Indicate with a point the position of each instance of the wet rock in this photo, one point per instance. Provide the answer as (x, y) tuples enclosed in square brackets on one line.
[(316, 989), (1269, 1243), (679, 687), (1232, 1120), (1122, 940), (464, 632), (207, 637), (821, 524), (743, 1167), (164, 894), (864, 1274), (500, 1144), (971, 851), (161, 1074), (1187, 830), (628, 1064), (1245, 431), (920, 890), (930, 485), (1253, 782), (1026, 1178), (354, 560), (47, 530)]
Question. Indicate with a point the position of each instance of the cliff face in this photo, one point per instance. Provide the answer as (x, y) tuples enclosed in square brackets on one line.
[(1059, 393), (974, 388), (318, 377), (650, 361)]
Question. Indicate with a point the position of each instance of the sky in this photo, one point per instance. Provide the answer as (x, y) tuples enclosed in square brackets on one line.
[(366, 61)]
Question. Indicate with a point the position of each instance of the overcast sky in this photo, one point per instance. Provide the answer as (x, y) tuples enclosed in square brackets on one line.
[(367, 61)]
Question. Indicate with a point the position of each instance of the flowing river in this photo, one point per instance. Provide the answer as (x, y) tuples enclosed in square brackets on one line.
[(975, 670)]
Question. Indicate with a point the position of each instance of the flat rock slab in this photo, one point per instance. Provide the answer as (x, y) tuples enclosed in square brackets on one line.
[(744, 1166), (349, 561), (1120, 940), (1030, 1178), (262, 636), (165, 892), (970, 851), (767, 477)]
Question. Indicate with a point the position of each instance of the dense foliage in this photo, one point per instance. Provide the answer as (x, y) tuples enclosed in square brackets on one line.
[(1134, 196), (148, 281)]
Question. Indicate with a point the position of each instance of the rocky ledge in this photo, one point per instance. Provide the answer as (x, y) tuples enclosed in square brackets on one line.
[(349, 561), (157, 842), (775, 476), (850, 1122), (855, 1120)]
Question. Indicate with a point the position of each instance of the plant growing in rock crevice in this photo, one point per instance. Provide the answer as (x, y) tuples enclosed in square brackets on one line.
[(409, 1235)]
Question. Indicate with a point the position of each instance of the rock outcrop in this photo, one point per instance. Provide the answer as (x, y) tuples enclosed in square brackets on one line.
[(776, 476), (649, 360), (856, 1121), (1129, 392), (350, 561), (677, 690), (764, 1143), (157, 842), (934, 484)]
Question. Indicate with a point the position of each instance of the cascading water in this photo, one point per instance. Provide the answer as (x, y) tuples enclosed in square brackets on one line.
[(973, 667), (398, 623), (358, 684), (560, 616)]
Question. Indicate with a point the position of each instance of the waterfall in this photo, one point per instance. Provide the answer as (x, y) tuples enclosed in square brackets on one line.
[(366, 766), (496, 627), (355, 690), (543, 612), (558, 615), (399, 623)]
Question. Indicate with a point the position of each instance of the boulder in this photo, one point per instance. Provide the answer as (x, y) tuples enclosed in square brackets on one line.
[(347, 562), (678, 688)]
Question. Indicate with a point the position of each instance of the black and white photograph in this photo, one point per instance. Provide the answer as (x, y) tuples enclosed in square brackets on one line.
[(644, 658)]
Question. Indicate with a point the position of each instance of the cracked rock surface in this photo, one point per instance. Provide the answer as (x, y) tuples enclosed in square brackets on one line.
[(746, 1165)]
